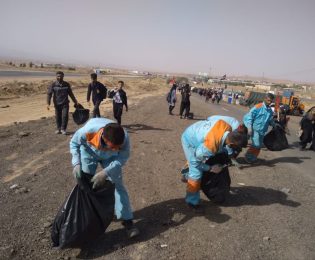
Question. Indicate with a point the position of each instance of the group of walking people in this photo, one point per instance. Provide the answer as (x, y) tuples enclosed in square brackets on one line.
[(185, 91), (60, 91)]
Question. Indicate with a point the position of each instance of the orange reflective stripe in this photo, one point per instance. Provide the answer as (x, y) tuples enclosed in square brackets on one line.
[(193, 185), (259, 105), (94, 139), (253, 151), (214, 137)]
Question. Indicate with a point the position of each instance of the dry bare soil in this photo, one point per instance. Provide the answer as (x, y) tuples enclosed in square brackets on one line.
[(258, 221)]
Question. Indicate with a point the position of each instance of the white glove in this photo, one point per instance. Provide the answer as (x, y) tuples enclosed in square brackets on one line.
[(99, 180), (217, 168), (77, 171)]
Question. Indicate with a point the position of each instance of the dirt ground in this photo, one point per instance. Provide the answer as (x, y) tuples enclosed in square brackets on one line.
[(260, 220)]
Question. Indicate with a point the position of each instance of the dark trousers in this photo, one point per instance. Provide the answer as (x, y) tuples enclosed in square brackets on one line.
[(96, 109), (308, 134), (118, 109), (62, 112), (184, 106), (170, 109)]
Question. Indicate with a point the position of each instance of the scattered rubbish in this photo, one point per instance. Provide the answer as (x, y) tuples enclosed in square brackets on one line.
[(5, 106), (163, 245), (266, 238), (241, 183), (212, 226), (23, 134), (14, 186), (286, 190), (43, 117)]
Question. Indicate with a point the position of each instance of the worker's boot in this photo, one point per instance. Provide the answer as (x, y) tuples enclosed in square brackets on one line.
[(131, 229), (197, 209)]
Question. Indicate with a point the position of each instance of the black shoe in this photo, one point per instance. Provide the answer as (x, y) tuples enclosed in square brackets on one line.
[(131, 229), (302, 148)]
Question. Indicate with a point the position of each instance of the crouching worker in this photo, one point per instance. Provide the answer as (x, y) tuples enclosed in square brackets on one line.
[(257, 121), (201, 141), (105, 142)]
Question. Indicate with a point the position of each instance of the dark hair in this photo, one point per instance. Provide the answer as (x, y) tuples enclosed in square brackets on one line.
[(121, 82), (93, 76), (237, 138), (60, 73), (114, 133), (271, 96)]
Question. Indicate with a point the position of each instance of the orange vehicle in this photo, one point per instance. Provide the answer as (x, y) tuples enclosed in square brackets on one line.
[(293, 104)]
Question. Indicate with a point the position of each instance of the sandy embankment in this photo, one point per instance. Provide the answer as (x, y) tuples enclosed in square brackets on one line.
[(25, 99)]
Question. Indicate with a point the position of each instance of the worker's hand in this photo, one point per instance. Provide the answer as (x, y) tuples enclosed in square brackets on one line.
[(77, 171), (99, 180), (217, 168), (89, 103), (48, 107)]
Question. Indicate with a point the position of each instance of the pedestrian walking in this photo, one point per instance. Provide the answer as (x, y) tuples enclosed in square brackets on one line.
[(171, 99), (98, 92), (185, 102), (119, 97), (60, 90)]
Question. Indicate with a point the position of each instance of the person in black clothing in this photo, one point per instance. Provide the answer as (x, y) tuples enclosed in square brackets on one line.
[(185, 103), (98, 91), (60, 90), (307, 128), (171, 99), (119, 97)]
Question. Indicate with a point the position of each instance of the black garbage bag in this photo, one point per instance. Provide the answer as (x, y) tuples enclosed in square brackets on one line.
[(191, 115), (276, 140), (217, 186), (84, 215), (80, 115)]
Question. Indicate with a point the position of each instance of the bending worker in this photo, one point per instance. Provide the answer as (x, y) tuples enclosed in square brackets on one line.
[(257, 121), (203, 140), (102, 141)]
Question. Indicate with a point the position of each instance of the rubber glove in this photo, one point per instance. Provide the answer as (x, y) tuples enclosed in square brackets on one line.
[(77, 171), (99, 180)]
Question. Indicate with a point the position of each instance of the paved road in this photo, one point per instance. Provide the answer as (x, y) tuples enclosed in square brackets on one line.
[(19, 74)]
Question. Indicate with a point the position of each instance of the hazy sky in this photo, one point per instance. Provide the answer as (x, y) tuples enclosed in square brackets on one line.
[(237, 37)]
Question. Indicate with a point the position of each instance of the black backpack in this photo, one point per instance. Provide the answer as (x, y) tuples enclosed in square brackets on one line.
[(103, 91)]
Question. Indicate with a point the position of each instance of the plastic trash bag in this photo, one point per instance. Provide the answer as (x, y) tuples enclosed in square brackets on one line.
[(217, 186), (84, 215), (276, 140), (80, 115)]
